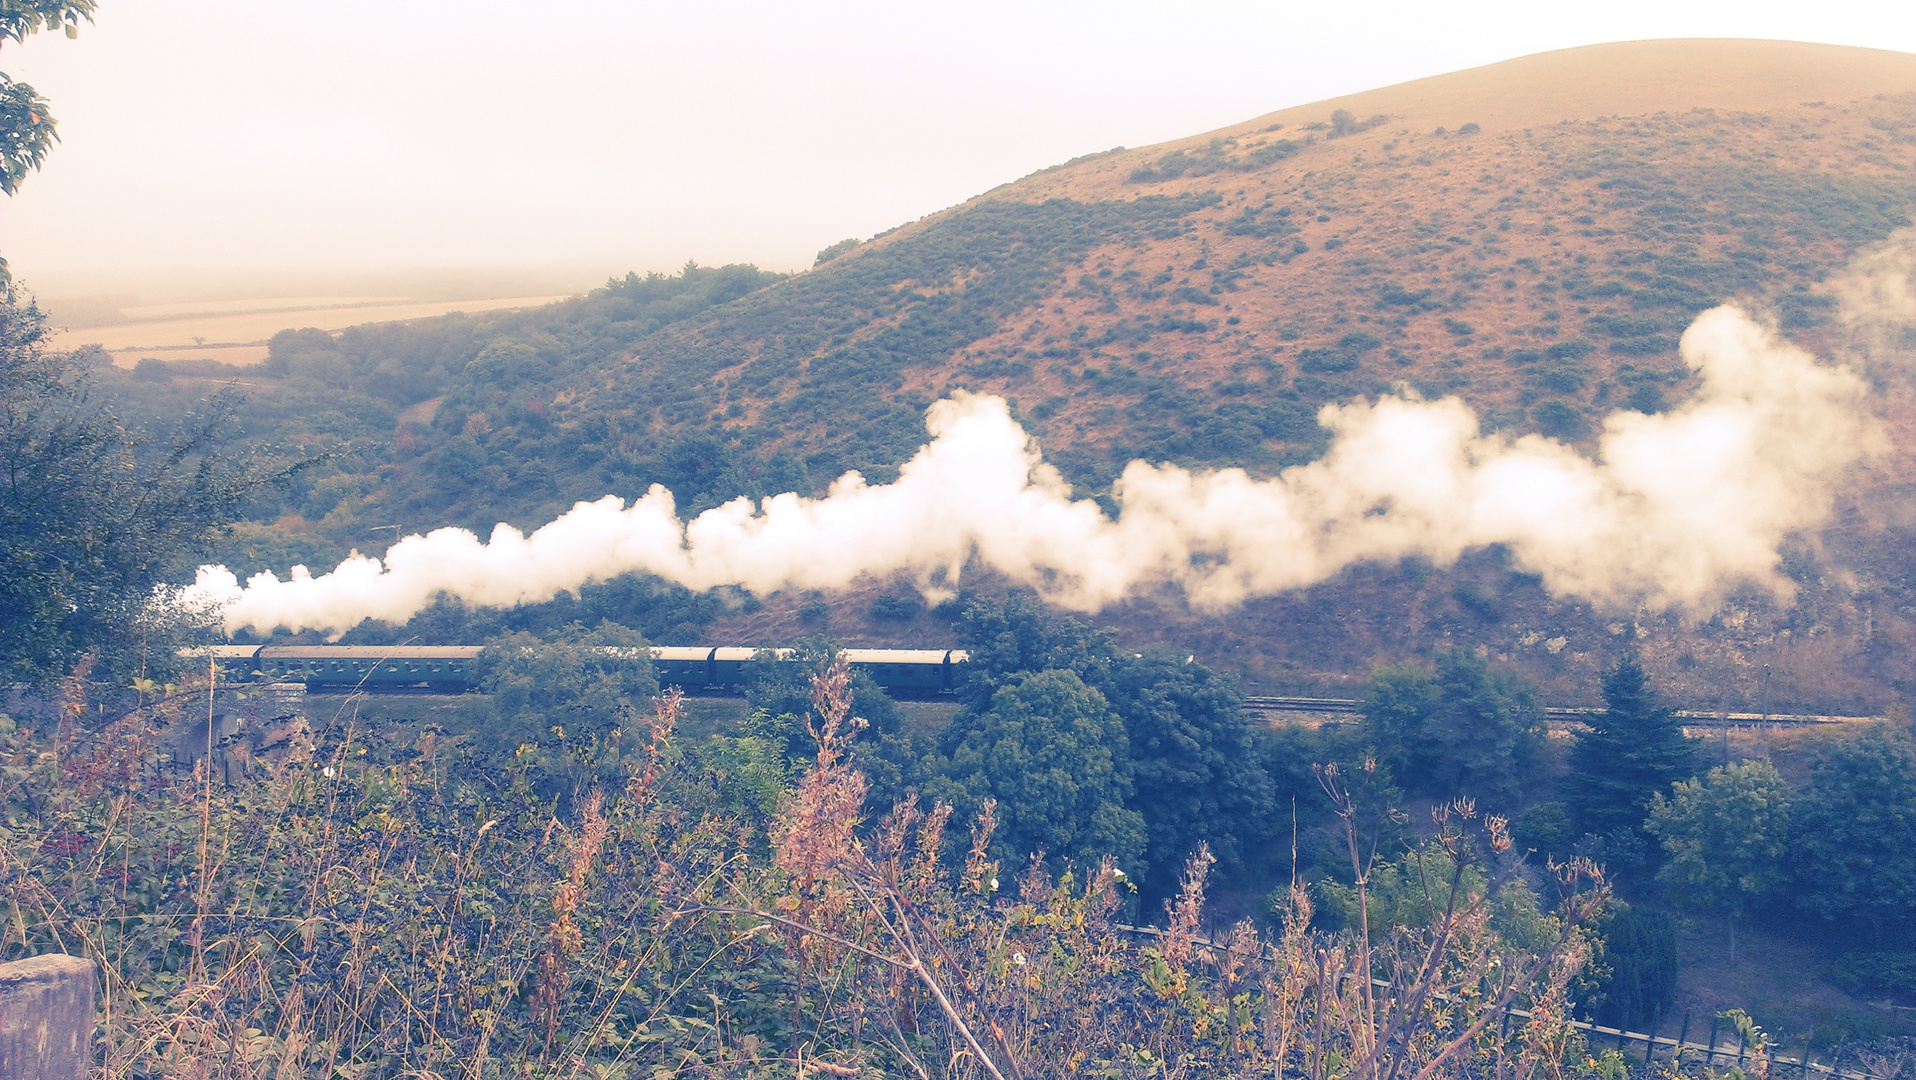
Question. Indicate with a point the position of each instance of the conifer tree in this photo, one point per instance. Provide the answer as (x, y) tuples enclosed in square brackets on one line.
[(1634, 748)]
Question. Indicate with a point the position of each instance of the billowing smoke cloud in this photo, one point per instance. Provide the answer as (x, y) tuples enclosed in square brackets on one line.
[(1676, 509), (1878, 288)]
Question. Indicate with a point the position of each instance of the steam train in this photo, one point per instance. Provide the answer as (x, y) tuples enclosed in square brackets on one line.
[(454, 669)]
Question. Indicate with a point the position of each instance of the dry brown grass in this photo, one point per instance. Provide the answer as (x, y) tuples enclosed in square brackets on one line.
[(333, 917)]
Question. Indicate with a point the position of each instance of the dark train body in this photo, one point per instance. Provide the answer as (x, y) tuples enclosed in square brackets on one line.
[(453, 669)]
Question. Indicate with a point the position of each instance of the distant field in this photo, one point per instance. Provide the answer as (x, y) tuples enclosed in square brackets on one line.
[(202, 308), (236, 332)]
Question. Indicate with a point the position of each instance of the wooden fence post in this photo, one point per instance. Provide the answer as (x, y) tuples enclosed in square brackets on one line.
[(46, 1018)]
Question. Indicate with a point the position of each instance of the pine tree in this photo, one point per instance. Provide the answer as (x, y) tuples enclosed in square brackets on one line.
[(1634, 749)]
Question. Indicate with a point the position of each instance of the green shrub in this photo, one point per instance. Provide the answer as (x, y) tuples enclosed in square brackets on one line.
[(1878, 975), (1646, 399), (1653, 345), (1408, 893), (1325, 361), (1639, 951), (834, 251), (1543, 828), (897, 607), (560, 707), (1397, 296), (1560, 419), (1344, 122)]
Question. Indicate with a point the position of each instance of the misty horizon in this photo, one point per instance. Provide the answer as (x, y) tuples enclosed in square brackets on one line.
[(195, 144)]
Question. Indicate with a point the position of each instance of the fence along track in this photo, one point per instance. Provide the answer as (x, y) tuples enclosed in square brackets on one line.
[(1563, 713), (1731, 1054)]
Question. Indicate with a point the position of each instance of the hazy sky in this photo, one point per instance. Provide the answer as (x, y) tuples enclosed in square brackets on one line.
[(219, 133)]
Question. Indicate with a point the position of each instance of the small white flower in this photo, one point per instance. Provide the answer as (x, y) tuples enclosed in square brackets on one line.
[(994, 884), (1018, 958), (327, 772)]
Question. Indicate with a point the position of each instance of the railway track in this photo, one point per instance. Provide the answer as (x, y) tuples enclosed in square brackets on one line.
[(1562, 714)]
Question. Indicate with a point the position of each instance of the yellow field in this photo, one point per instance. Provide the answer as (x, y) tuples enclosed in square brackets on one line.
[(236, 332)]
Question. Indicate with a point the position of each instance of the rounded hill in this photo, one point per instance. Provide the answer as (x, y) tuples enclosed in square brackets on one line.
[(1530, 237)]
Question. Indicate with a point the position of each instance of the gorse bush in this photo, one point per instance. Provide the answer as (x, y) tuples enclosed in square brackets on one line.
[(374, 911)]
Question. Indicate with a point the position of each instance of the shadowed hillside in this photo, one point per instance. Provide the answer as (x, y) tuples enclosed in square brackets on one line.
[(1531, 236)]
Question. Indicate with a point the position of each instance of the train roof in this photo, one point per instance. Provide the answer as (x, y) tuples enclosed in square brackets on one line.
[(659, 652), (736, 653), (222, 652), (369, 652), (682, 652), (895, 656)]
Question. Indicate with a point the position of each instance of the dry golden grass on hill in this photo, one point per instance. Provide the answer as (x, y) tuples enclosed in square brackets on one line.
[(1492, 223)]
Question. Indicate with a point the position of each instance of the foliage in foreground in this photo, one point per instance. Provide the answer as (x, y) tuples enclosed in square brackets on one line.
[(94, 517), (332, 916)]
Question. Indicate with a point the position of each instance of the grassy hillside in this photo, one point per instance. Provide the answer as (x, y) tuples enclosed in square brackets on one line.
[(1530, 236)]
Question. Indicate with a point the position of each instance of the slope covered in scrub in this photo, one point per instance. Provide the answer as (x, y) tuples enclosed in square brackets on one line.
[(1531, 237)]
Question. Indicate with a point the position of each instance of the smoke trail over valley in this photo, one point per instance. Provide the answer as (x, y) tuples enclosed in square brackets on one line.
[(1675, 509)]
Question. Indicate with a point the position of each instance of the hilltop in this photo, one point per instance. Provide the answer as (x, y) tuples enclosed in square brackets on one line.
[(1530, 236)]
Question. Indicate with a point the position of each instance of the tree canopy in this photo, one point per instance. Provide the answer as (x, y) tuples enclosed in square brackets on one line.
[(93, 516), (1199, 769), (1724, 837), (27, 128), (1854, 825), (1054, 755), (1463, 727), (563, 708)]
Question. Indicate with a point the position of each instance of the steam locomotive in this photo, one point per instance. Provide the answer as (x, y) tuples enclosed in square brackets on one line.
[(453, 669)]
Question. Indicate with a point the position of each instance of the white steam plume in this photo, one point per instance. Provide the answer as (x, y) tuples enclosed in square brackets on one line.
[(1677, 508), (1878, 288)]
